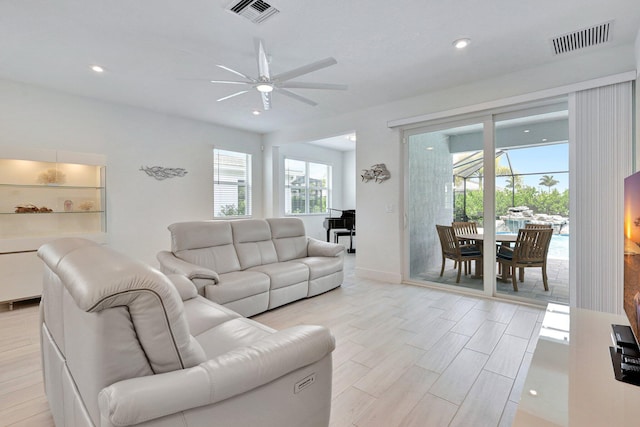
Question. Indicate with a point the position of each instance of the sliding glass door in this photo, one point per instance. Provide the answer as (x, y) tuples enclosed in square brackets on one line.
[(532, 190), (487, 178), (443, 185)]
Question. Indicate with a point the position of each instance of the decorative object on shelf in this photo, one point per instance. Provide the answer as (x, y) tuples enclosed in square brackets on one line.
[(52, 176), (29, 208), (160, 173), (86, 205), (378, 173), (68, 205)]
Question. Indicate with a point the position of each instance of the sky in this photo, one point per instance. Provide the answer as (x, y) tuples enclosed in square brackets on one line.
[(542, 160)]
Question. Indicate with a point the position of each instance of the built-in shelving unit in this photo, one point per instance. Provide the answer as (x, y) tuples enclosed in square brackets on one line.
[(45, 195)]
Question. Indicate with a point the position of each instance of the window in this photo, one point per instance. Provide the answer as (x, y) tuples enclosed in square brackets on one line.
[(231, 183), (307, 187)]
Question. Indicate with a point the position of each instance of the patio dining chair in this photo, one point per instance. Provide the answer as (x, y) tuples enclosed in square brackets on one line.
[(530, 250), (453, 249), (465, 227), (537, 226)]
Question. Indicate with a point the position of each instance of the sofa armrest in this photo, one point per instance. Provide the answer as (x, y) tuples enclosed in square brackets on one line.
[(317, 247), (142, 399), (170, 264), (186, 288)]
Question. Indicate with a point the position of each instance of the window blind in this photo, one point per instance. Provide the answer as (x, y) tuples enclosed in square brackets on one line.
[(231, 183)]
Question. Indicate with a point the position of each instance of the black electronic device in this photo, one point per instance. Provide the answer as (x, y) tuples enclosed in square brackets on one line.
[(625, 354), (623, 336)]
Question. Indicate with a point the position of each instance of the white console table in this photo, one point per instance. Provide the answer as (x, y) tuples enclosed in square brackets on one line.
[(571, 380)]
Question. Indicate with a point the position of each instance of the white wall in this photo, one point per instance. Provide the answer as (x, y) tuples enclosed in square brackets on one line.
[(380, 232), (349, 177), (139, 208)]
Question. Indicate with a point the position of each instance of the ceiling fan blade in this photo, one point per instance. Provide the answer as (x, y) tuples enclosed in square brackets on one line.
[(296, 97), (263, 62), (305, 69), (232, 95), (238, 73), (231, 82), (302, 85), (266, 100)]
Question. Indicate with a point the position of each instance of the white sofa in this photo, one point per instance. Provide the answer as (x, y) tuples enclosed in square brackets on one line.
[(253, 265), (123, 344)]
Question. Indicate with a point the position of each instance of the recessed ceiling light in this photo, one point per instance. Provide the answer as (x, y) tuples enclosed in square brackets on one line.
[(256, 112), (527, 131), (97, 69), (429, 148), (533, 392), (461, 43), (544, 139)]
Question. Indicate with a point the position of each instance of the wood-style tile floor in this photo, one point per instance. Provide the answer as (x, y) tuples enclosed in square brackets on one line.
[(405, 356)]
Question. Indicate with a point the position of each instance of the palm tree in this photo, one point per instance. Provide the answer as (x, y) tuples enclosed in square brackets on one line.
[(548, 181)]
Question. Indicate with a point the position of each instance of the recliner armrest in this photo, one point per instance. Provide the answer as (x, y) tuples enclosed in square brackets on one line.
[(142, 399), (170, 264), (317, 247), (186, 288)]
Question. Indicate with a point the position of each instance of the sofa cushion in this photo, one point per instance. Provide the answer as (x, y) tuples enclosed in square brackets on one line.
[(230, 335), (288, 237), (284, 274), (237, 285), (322, 266), (199, 234), (252, 240), (203, 315), (205, 243), (221, 259)]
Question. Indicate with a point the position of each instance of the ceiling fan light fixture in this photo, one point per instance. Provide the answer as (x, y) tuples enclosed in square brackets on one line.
[(461, 43), (264, 87)]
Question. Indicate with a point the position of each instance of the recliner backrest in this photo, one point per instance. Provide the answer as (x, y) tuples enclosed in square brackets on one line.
[(289, 238), (205, 243), (252, 240), (112, 318)]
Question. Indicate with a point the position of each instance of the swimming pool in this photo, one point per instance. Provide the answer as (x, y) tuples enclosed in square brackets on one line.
[(559, 246)]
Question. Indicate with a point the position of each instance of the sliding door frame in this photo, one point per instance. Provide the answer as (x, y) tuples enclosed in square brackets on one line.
[(488, 119)]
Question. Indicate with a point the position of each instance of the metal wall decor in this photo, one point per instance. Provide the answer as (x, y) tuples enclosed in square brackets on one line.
[(160, 173), (378, 173)]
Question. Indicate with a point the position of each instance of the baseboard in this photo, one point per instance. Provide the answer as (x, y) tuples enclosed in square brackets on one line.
[(381, 276)]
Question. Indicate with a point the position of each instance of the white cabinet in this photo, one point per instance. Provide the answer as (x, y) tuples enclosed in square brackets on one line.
[(42, 198), (571, 380)]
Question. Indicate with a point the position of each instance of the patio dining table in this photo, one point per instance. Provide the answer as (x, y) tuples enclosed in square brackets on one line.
[(507, 239)]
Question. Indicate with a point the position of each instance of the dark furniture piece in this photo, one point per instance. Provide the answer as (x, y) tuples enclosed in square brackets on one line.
[(453, 249), (530, 250), (346, 221), (337, 234)]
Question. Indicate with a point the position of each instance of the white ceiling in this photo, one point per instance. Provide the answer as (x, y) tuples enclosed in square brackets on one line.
[(338, 143), (386, 50)]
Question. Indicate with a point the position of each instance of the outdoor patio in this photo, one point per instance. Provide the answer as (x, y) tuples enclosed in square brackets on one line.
[(532, 287)]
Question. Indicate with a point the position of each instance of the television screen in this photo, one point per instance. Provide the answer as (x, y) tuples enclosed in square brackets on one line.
[(632, 250)]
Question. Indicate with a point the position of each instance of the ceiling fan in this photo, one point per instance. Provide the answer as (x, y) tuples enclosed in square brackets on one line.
[(265, 83)]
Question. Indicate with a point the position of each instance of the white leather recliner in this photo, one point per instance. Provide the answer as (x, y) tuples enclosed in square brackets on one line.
[(123, 345)]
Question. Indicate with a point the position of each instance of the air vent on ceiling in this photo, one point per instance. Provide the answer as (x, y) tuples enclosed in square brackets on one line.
[(256, 11), (580, 39)]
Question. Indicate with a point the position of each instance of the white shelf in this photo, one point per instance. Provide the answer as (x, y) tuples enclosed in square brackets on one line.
[(74, 192)]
